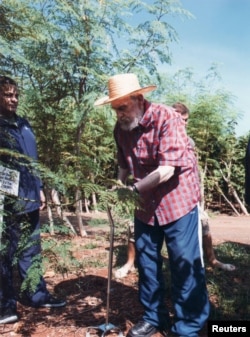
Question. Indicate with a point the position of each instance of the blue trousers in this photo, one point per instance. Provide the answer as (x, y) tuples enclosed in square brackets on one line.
[(189, 293), (20, 244)]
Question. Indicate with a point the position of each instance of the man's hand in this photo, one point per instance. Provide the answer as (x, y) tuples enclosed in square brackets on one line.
[(117, 186), (127, 193), (124, 193)]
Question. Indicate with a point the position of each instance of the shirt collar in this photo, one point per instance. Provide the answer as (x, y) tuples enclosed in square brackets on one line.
[(147, 117), (10, 121)]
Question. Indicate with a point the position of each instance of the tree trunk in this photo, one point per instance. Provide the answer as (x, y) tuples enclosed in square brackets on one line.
[(94, 202), (51, 221), (242, 206), (86, 204), (59, 210), (228, 201), (232, 189), (79, 213), (49, 212)]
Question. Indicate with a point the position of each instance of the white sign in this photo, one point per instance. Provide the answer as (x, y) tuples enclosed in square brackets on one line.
[(9, 181)]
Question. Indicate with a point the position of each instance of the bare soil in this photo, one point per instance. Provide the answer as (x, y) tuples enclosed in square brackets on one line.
[(86, 290)]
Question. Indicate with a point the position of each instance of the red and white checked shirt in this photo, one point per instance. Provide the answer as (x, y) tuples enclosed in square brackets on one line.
[(161, 139)]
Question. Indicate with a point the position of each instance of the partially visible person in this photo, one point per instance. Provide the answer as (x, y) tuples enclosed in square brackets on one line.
[(207, 242), (154, 148), (20, 230), (129, 266)]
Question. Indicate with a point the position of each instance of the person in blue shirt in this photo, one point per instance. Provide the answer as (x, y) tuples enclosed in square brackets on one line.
[(20, 225)]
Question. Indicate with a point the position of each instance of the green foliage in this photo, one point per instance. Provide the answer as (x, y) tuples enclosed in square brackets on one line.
[(90, 246), (33, 276), (57, 255), (122, 200), (59, 228), (98, 222), (62, 53)]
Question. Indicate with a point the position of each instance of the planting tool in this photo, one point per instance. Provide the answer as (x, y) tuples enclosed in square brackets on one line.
[(107, 327)]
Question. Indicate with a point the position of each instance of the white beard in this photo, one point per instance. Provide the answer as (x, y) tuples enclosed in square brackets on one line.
[(128, 126)]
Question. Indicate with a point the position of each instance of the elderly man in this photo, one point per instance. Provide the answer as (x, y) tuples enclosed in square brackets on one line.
[(154, 148)]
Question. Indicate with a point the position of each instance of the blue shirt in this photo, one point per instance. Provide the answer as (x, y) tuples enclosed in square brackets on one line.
[(17, 135)]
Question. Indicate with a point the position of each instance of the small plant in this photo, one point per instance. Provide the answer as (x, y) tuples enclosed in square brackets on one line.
[(57, 255), (98, 261), (90, 245)]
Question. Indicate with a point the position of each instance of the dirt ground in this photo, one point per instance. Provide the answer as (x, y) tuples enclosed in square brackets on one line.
[(86, 291), (230, 228)]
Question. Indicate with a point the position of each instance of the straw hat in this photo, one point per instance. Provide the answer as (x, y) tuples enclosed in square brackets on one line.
[(123, 85)]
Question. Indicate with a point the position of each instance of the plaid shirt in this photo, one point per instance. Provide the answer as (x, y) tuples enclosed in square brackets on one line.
[(160, 139)]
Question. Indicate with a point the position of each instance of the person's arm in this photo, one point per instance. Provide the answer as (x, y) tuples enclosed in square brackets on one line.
[(42, 199), (122, 175), (158, 176)]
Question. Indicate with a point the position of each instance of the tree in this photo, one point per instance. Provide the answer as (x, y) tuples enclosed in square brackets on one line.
[(63, 51), (212, 126)]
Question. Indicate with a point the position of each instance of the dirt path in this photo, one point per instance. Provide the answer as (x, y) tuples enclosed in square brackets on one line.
[(229, 228), (223, 227)]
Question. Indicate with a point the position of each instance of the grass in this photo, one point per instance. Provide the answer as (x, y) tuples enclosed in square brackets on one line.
[(98, 222), (90, 245), (230, 291)]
